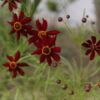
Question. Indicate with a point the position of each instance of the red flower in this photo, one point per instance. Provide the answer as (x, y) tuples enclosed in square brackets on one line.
[(14, 66), (42, 31), (92, 46), (19, 25), (11, 4), (47, 49)]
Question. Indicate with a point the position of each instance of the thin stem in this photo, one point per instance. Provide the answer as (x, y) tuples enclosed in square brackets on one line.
[(47, 81)]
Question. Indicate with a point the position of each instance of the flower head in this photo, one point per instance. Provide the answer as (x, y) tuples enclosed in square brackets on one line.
[(12, 4), (41, 31), (47, 50), (88, 87), (93, 47), (14, 66), (20, 25)]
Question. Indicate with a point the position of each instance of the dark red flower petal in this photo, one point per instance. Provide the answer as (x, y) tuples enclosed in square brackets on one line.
[(92, 55), (89, 41), (55, 57), (98, 43), (32, 40), (26, 20), (38, 24), (39, 51), (17, 56), (4, 3), (21, 72), (6, 64), (10, 58), (42, 58), (14, 73), (15, 17), (44, 25), (56, 49), (11, 23), (12, 31), (53, 32), (18, 35), (21, 16), (27, 26), (93, 39), (14, 5), (22, 64), (38, 44), (10, 7), (86, 45), (88, 51), (49, 60), (98, 52)]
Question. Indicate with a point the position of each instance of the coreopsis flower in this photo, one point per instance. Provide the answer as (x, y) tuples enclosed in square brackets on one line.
[(12, 4), (47, 50), (20, 25), (42, 31), (92, 46), (14, 66)]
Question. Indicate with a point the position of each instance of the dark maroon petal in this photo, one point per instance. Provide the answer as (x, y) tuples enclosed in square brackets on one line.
[(93, 39), (10, 7), (98, 52), (19, 0), (18, 35), (39, 51), (11, 23), (6, 64), (44, 25), (52, 41), (4, 3), (32, 40), (38, 24), (12, 31), (33, 32), (92, 55), (15, 17), (14, 5), (24, 33), (89, 41), (17, 56), (26, 20), (86, 45), (98, 43), (14, 74), (56, 49), (53, 32), (42, 58), (21, 16), (21, 72), (49, 60), (38, 44), (27, 27), (22, 64), (55, 57), (10, 58), (88, 51)]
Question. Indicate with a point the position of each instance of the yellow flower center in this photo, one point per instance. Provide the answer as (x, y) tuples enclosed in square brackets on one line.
[(17, 26), (46, 50), (13, 65), (41, 33)]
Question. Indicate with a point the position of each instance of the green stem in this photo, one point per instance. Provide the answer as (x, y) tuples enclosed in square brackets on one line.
[(23, 58), (47, 81)]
